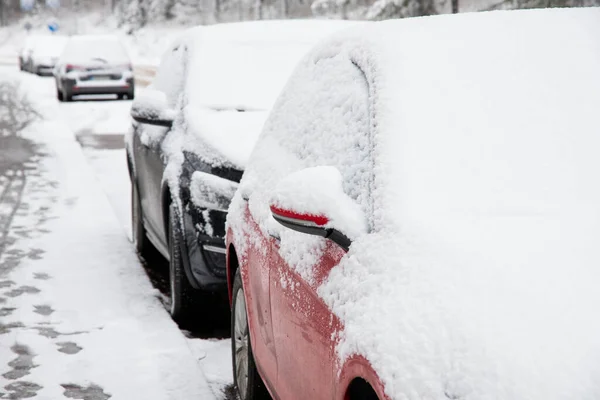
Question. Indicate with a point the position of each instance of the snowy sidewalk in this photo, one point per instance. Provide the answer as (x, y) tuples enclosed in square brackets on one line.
[(78, 316)]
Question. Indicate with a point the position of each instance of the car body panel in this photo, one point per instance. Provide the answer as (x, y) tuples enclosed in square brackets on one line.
[(256, 281), (303, 327)]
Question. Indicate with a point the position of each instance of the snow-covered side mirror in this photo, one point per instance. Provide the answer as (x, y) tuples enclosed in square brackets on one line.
[(313, 201), (151, 107)]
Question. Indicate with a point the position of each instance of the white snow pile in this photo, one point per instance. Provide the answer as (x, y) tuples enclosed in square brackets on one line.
[(478, 276), (318, 191), (210, 191)]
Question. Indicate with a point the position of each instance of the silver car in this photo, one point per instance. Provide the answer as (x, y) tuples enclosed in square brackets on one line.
[(94, 65), (44, 52)]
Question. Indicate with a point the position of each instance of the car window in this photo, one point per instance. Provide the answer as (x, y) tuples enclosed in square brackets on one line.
[(322, 118), (170, 76)]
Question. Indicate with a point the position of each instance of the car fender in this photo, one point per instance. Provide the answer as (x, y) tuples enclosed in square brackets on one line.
[(354, 367)]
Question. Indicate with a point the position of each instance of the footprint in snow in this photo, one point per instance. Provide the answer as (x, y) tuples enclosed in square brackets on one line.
[(22, 364), (69, 347), (22, 390), (92, 392), (21, 290), (43, 310)]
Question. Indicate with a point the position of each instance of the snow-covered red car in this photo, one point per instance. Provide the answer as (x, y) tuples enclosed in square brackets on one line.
[(420, 219), (195, 127)]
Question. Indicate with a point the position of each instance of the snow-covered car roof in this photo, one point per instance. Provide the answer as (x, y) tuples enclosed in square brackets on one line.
[(30, 41), (478, 277), (49, 45), (242, 67), (87, 48)]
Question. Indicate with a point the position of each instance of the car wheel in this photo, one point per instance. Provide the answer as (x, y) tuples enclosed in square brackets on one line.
[(182, 292), (67, 96), (59, 95), (138, 232), (247, 380)]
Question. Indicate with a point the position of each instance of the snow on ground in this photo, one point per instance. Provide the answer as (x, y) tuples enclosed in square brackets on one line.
[(78, 314)]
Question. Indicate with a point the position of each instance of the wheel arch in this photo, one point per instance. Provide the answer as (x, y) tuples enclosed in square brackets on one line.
[(358, 380), (360, 389)]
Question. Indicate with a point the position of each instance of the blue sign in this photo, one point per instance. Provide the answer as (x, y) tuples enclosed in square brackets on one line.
[(27, 5), (52, 26)]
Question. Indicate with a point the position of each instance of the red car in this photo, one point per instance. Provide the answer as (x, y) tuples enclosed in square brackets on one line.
[(419, 217)]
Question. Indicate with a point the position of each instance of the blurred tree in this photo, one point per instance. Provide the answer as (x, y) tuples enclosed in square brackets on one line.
[(385, 9)]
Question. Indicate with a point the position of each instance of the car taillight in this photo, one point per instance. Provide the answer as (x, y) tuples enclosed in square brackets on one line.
[(71, 67)]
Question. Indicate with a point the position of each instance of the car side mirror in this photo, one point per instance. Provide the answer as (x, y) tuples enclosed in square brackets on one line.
[(151, 107), (313, 201)]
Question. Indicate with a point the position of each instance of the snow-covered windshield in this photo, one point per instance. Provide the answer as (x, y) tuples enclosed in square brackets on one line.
[(94, 49), (245, 76), (245, 66)]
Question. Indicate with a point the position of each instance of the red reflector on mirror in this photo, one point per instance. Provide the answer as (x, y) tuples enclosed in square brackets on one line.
[(317, 219)]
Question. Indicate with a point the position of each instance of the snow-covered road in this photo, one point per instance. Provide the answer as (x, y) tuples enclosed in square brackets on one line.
[(79, 317)]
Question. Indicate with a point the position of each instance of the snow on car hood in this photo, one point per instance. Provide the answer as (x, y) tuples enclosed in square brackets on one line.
[(229, 132)]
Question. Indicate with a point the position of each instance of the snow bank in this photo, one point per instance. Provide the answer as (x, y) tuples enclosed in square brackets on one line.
[(478, 277)]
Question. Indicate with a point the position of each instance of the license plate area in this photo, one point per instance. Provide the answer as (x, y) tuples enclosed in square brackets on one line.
[(100, 77)]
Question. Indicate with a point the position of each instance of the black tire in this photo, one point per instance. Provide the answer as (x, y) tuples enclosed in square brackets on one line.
[(255, 388), (67, 96), (59, 95), (183, 295), (138, 232)]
